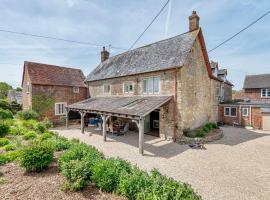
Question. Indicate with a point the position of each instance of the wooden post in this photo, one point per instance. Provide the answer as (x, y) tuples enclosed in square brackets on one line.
[(104, 127), (67, 118), (141, 135), (82, 121)]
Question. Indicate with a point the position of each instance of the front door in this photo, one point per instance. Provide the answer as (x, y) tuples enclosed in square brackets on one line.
[(147, 127)]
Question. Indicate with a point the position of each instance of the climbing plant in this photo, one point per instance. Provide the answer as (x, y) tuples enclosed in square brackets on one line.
[(41, 103)]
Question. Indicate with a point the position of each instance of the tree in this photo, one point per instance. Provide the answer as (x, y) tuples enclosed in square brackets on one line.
[(4, 87), (18, 89)]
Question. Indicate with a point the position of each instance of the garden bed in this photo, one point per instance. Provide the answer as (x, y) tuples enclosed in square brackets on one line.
[(16, 184)]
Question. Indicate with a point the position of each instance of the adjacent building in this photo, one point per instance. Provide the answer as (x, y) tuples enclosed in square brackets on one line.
[(253, 109), (48, 89)]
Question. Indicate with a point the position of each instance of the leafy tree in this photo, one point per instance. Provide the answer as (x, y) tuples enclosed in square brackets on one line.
[(4, 87), (18, 89), (42, 103)]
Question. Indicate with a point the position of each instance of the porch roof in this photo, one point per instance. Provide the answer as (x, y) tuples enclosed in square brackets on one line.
[(134, 106)]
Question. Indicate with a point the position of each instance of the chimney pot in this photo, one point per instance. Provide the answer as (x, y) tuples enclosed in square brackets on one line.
[(104, 54), (194, 21)]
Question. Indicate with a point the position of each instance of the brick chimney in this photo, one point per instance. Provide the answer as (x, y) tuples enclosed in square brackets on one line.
[(194, 21), (104, 54)]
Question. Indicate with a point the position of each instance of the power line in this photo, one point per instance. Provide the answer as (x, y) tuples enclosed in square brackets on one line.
[(245, 28), (59, 39), (163, 7)]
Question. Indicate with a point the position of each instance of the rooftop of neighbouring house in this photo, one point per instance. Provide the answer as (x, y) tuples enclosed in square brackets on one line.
[(161, 55), (248, 102), (257, 81), (44, 74)]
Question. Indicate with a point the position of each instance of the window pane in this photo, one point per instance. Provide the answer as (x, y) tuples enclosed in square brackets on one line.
[(150, 86), (144, 86), (125, 88), (131, 87), (227, 111), (156, 85), (263, 92), (233, 111), (268, 92)]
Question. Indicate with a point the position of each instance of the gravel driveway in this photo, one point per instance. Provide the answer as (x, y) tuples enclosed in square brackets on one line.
[(235, 167)]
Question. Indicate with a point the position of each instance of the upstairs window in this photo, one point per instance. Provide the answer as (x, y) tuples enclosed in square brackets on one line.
[(151, 85), (76, 89), (60, 108), (265, 92), (107, 88), (27, 87), (217, 91), (128, 87)]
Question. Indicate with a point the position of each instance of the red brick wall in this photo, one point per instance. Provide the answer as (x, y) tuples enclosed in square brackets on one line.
[(59, 94), (26, 98), (227, 92), (256, 116), (253, 94)]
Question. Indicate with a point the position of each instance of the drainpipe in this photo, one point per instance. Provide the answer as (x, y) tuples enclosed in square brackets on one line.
[(175, 106), (240, 115), (250, 115)]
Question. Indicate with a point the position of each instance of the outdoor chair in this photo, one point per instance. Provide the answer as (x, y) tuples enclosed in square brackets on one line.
[(124, 130)]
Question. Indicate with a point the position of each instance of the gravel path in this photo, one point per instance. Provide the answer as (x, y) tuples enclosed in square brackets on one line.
[(235, 167)]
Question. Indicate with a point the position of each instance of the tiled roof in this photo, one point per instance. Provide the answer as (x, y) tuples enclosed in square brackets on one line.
[(164, 54), (43, 74), (257, 81), (127, 105)]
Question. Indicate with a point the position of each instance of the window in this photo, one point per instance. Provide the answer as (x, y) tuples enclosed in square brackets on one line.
[(76, 89), (60, 108), (230, 111), (245, 112), (107, 88), (128, 87), (151, 85), (27, 87), (217, 91), (265, 92)]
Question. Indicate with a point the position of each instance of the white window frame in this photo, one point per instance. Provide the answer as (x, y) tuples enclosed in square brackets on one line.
[(267, 92), (129, 83), (230, 112), (57, 112), (76, 90), (27, 88), (247, 112), (153, 89), (107, 92), (217, 92)]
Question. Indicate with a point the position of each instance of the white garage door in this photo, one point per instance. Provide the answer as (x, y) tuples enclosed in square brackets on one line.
[(266, 121)]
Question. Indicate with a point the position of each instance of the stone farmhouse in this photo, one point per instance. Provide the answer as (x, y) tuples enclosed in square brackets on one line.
[(254, 109), (164, 87), (49, 89)]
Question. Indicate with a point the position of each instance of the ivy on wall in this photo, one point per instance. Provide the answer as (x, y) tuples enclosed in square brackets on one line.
[(42, 103)]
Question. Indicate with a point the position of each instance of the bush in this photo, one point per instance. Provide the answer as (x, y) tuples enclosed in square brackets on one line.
[(17, 130), (28, 114), (9, 147), (3, 159), (39, 127), (106, 173), (4, 129), (205, 129), (46, 136), (5, 114), (3, 141), (133, 185), (29, 124), (200, 133), (13, 155), (77, 174), (62, 143), (37, 156), (4, 105), (30, 135), (47, 123)]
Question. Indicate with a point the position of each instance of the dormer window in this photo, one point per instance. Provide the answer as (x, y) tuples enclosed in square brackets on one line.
[(265, 92)]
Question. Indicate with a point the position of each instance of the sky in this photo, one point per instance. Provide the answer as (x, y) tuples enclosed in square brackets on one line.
[(119, 23)]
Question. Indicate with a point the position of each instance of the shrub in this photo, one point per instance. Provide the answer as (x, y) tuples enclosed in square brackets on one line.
[(200, 133), (5, 114), (4, 104), (214, 125), (133, 185), (77, 174), (209, 126), (46, 136), (37, 156), (4, 129), (106, 173), (3, 141), (62, 143), (165, 188), (17, 130), (13, 155), (39, 127), (29, 124), (28, 114), (3, 159), (47, 123), (30, 135), (9, 147), (205, 129)]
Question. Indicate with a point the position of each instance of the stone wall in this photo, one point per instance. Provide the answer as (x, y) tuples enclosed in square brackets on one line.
[(26, 97)]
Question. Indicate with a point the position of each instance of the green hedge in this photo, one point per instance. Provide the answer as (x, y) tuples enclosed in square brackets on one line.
[(5, 114), (28, 114)]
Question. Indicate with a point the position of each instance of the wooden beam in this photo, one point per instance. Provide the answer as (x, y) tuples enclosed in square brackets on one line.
[(141, 135), (67, 116), (104, 127), (82, 121)]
